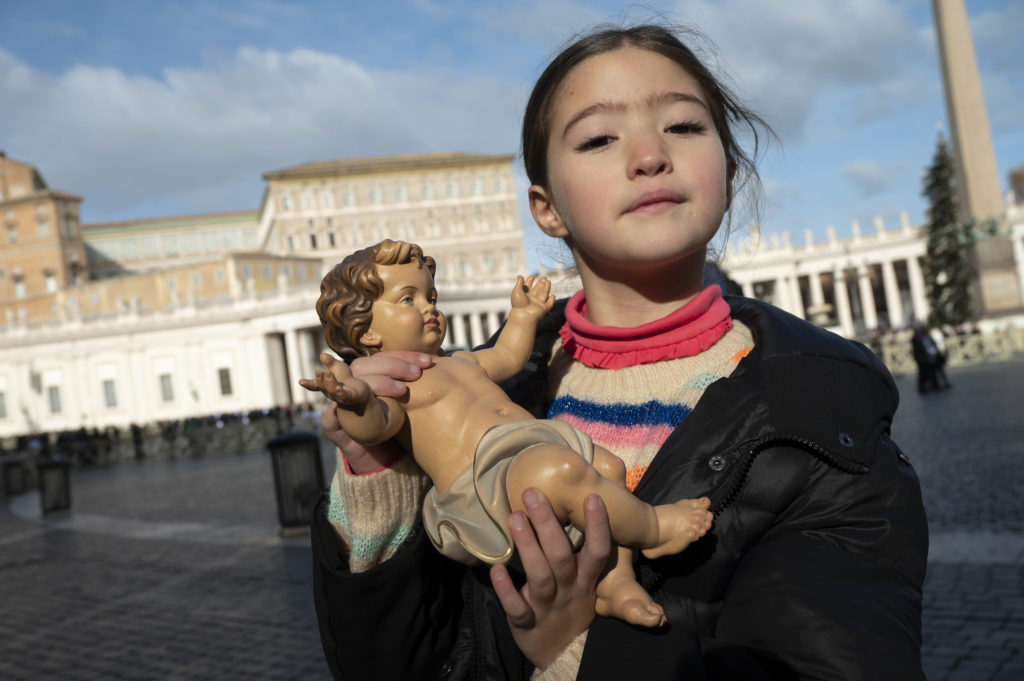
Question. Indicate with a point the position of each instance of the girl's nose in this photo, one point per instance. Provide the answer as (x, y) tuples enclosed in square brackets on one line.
[(648, 159)]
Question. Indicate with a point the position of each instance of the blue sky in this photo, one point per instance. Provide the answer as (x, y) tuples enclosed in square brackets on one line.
[(150, 108)]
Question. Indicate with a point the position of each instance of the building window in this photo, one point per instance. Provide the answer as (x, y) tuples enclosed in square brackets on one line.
[(51, 281), (70, 224), (246, 271), (478, 187), (197, 280), (307, 201), (331, 239), (166, 388), (375, 195), (453, 190), (291, 243), (428, 191), (42, 227), (171, 284), (312, 240), (286, 203), (150, 247), (229, 239), (12, 234), (190, 242), (19, 285), (401, 194), (349, 197), (130, 248), (210, 241), (224, 376), (267, 274), (501, 185), (170, 244), (220, 275), (325, 198), (3, 406), (109, 393), (53, 392)]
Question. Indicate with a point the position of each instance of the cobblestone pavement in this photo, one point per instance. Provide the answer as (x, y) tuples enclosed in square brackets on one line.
[(176, 569)]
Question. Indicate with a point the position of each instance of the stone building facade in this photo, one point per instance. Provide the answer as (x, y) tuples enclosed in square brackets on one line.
[(169, 318)]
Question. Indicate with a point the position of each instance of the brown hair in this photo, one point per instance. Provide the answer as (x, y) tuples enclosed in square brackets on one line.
[(349, 289), (725, 109)]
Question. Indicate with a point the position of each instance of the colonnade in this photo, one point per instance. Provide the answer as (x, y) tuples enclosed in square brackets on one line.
[(854, 298)]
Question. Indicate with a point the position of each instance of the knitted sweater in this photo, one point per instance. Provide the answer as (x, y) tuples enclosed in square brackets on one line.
[(626, 388)]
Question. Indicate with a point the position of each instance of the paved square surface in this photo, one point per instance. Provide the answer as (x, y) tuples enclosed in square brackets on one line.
[(176, 569)]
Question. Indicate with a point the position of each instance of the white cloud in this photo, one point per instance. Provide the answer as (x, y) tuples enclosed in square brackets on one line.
[(202, 137), (868, 177)]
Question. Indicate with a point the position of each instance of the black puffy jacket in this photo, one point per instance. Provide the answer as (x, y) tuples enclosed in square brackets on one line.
[(812, 570)]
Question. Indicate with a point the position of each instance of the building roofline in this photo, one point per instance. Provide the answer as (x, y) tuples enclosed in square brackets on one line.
[(172, 219), (385, 164)]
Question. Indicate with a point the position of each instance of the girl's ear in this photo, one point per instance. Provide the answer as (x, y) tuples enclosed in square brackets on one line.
[(545, 214), (371, 339)]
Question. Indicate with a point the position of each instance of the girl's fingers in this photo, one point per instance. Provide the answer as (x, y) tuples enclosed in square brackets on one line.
[(539, 578), (516, 608), (551, 536), (597, 544)]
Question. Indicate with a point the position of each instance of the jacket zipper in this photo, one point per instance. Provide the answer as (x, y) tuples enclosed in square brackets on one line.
[(764, 443)]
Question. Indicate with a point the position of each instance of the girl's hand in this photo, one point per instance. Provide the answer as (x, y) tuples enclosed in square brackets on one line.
[(557, 602), (385, 373)]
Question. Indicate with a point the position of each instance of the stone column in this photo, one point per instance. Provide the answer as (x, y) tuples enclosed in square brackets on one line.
[(817, 294), (458, 331), (493, 323), (795, 297), (843, 303), (892, 294), (748, 289), (867, 297), (292, 357), (917, 295), (1018, 257), (476, 330)]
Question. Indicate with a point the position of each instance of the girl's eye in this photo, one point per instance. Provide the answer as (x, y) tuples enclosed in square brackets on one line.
[(595, 142), (406, 300), (687, 128)]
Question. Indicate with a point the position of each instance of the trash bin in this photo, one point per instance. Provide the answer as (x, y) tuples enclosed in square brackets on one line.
[(298, 476), (15, 475), (54, 484)]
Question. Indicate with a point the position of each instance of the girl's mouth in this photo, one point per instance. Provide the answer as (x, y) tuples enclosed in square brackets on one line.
[(655, 201)]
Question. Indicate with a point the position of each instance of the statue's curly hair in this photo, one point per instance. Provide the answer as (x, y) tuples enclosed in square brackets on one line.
[(349, 289)]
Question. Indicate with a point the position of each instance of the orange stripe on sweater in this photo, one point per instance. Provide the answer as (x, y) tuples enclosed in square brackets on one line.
[(633, 476)]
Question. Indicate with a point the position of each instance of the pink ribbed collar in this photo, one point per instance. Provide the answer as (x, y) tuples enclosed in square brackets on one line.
[(691, 329)]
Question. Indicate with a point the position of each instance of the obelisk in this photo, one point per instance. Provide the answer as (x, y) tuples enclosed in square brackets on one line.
[(994, 286)]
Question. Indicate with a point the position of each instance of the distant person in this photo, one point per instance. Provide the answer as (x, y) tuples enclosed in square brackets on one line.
[(941, 353), (926, 355)]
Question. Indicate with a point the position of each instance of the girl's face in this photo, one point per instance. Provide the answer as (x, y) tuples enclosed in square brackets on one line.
[(636, 169)]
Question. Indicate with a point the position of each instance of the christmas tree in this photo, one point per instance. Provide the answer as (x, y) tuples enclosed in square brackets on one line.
[(945, 265)]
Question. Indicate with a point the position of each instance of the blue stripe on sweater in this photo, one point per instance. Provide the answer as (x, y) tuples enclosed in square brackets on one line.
[(620, 414)]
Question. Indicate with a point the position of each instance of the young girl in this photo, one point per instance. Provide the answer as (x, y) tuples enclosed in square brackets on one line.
[(813, 567)]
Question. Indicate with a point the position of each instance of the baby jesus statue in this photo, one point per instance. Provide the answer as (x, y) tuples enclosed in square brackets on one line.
[(480, 449)]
